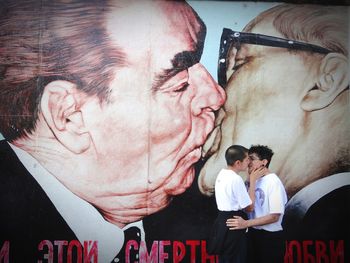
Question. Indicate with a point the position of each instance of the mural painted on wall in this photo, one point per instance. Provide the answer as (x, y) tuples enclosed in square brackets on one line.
[(115, 127)]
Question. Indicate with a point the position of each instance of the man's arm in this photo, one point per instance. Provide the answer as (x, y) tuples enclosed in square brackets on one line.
[(238, 222)]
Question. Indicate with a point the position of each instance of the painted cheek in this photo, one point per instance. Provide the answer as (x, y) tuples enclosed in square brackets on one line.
[(169, 125)]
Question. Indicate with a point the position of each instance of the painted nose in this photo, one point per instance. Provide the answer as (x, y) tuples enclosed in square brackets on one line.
[(209, 95)]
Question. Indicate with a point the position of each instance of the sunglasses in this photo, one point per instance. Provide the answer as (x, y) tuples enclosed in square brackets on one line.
[(232, 39)]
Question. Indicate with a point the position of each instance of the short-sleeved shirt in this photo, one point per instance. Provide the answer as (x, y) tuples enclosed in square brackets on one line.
[(230, 191), (270, 198)]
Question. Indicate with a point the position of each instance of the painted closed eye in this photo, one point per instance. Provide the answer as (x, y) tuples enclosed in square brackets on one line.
[(183, 87), (176, 84), (238, 64), (234, 64)]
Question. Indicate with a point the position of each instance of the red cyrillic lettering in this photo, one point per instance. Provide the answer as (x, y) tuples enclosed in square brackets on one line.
[(193, 244), (90, 251), (49, 255), (204, 253), (5, 252), (307, 257), (337, 252), (179, 251), (288, 258), (72, 244), (153, 257), (321, 255), (163, 255), (60, 244)]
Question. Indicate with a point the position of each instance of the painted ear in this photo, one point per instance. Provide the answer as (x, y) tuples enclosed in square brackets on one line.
[(333, 79), (60, 109)]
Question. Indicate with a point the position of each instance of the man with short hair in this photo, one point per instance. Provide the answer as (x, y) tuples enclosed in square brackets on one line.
[(104, 107), (232, 199), (265, 234)]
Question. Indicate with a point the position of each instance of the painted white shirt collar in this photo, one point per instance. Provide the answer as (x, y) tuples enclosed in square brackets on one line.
[(299, 204), (82, 217)]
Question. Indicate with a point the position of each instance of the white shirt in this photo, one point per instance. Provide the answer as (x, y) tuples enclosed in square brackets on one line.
[(230, 191), (83, 218), (270, 198)]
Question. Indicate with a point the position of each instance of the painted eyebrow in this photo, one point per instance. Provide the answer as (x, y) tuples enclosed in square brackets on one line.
[(180, 62)]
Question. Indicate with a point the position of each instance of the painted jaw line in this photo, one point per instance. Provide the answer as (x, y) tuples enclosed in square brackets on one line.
[(212, 144), (183, 174)]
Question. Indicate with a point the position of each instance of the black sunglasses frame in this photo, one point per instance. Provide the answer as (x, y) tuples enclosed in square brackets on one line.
[(229, 36)]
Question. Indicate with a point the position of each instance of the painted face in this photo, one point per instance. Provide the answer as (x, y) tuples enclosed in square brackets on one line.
[(160, 110), (263, 104)]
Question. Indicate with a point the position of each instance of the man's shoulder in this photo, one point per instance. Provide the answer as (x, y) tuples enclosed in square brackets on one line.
[(227, 176), (273, 182), (272, 177), (225, 173), (230, 175)]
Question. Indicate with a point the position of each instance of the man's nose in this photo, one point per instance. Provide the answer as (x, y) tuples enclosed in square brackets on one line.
[(209, 95)]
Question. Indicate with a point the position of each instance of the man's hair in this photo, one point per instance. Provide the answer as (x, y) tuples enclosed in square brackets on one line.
[(235, 153), (327, 26), (43, 41), (262, 151)]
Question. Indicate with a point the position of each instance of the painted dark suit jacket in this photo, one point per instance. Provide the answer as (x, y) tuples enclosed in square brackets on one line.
[(326, 220), (27, 214)]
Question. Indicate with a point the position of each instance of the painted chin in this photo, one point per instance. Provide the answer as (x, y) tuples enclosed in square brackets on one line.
[(184, 184), (183, 175)]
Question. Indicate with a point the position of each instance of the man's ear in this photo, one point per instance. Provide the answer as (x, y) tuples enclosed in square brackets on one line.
[(60, 108), (264, 161), (237, 163), (333, 78)]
